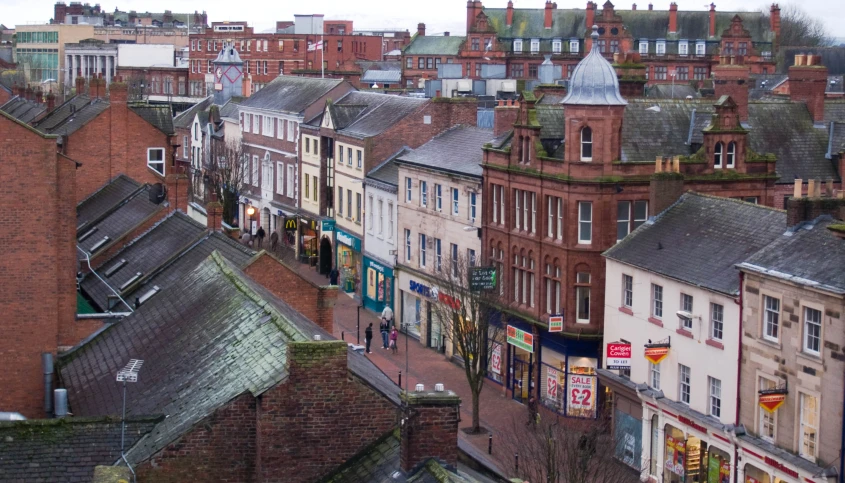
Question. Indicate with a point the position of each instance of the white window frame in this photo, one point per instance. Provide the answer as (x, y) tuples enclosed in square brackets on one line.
[(585, 143), (684, 384), (579, 300), (643, 47), (360, 158), (438, 197), (409, 193), (660, 47), (370, 215), (291, 131), (381, 217), (766, 421), (502, 204), (686, 304), (557, 45), (291, 189), (714, 397), (389, 221), (517, 45), (656, 301), (683, 48), (517, 212), (268, 126), (422, 251), (438, 255), (627, 291), (718, 154), (585, 225), (153, 163), (700, 48), (623, 218), (535, 46), (456, 201), (533, 213), (423, 194), (574, 46), (254, 176), (280, 133), (495, 203), (730, 155), (256, 121), (407, 245), (770, 319), (473, 206), (185, 147), (717, 321), (807, 337), (525, 210), (559, 226), (654, 380), (805, 423)]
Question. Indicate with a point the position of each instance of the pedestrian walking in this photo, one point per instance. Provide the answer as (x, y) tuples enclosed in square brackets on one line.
[(246, 239), (385, 332), (394, 338), (368, 336), (333, 276), (260, 234), (274, 240)]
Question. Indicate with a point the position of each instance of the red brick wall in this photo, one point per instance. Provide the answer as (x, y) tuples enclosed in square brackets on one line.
[(732, 80), (314, 302), (319, 418), (219, 448), (807, 84), (38, 295), (431, 430), (606, 124)]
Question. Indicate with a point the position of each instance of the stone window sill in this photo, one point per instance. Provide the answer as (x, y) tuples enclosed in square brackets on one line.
[(715, 343), (626, 310), (684, 333), (655, 321)]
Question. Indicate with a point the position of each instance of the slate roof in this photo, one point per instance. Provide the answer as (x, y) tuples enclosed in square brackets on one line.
[(214, 335), (434, 45), (680, 242), (159, 116), (837, 138), (388, 172), (71, 115), (808, 254), (366, 114), (529, 23), (389, 76), (166, 238), (652, 128), (834, 110), (46, 450), (762, 84), (457, 150), (290, 94), (667, 91), (185, 119), (230, 109), (105, 198), (122, 218), (22, 109)]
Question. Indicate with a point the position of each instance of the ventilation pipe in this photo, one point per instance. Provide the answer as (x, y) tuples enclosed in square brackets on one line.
[(47, 365), (61, 402)]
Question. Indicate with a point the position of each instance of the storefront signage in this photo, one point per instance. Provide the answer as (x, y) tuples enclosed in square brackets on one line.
[(780, 466), (675, 455), (290, 224), (656, 354), (496, 359), (718, 471), (482, 278), (432, 293), (551, 384), (388, 272), (771, 402), (582, 392), (556, 323), (348, 240), (618, 355), (327, 225), (521, 339), (689, 422)]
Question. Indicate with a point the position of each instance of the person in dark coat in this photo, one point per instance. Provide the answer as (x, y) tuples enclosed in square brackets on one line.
[(368, 335), (260, 234), (333, 276), (274, 240)]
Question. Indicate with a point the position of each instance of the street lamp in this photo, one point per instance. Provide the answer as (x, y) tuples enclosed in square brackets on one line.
[(250, 210)]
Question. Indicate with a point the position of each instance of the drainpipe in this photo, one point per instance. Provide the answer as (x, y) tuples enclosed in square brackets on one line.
[(47, 364), (739, 373)]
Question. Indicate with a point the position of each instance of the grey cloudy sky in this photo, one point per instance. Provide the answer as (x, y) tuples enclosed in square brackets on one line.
[(438, 15)]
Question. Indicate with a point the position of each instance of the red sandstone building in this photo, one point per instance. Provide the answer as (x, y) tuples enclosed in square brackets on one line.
[(674, 45), (569, 176)]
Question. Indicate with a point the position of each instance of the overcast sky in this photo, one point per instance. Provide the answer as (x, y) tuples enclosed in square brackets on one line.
[(438, 15)]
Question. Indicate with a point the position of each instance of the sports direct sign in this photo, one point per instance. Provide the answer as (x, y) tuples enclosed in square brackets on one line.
[(618, 356)]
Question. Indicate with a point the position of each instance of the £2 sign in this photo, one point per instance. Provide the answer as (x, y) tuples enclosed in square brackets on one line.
[(581, 391)]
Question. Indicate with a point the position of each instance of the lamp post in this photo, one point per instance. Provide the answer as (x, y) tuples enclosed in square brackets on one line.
[(250, 210)]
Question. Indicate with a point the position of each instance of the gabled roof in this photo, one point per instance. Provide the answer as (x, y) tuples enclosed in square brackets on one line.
[(159, 116), (291, 94), (214, 335), (808, 254), (699, 239), (370, 114), (71, 115), (104, 199), (185, 119), (22, 109), (126, 215), (143, 255), (64, 449), (457, 150), (230, 109), (434, 45)]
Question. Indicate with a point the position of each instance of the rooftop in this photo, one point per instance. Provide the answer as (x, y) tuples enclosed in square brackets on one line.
[(117, 221), (594, 81), (434, 45), (291, 94), (22, 109), (367, 114), (457, 150), (680, 242)]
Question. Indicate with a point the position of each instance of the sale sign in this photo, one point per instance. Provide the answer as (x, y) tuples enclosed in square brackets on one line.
[(551, 384), (521, 339), (618, 356), (656, 354), (582, 392), (556, 323), (770, 402), (675, 455), (496, 359)]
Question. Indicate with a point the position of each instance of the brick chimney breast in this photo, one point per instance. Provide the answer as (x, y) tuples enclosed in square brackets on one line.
[(807, 83), (429, 429)]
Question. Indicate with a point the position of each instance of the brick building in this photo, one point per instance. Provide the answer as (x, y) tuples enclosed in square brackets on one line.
[(566, 179), (38, 299), (424, 54), (679, 45), (292, 50)]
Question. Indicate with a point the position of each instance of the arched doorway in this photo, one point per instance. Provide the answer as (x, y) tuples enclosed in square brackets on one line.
[(325, 255)]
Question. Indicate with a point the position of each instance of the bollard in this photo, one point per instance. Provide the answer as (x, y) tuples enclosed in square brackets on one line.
[(490, 444), (342, 336), (516, 462), (400, 378)]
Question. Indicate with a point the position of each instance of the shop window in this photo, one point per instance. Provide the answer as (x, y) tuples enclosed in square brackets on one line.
[(655, 377), (809, 432), (683, 383), (812, 331), (771, 318), (717, 325), (686, 306), (714, 405), (582, 296), (627, 291), (656, 301)]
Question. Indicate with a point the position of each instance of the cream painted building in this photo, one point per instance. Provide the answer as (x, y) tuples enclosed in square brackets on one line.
[(40, 52)]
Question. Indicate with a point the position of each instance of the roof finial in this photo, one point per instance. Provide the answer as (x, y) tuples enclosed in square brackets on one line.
[(595, 33)]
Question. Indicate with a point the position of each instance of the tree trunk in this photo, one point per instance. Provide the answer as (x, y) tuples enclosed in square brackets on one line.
[(476, 420)]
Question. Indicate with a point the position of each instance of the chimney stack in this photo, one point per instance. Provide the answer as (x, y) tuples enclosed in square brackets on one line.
[(712, 20), (666, 185), (591, 16), (118, 92), (807, 83), (547, 19), (774, 19), (650, 6), (634, 7), (246, 85), (430, 428), (473, 9), (214, 213), (733, 80), (509, 15), (673, 18), (80, 86), (504, 116), (814, 205), (421, 29)]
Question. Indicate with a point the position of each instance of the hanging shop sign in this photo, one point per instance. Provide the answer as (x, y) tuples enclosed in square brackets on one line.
[(582, 392), (656, 354), (675, 455), (327, 225), (521, 339), (496, 359), (556, 323), (772, 401), (482, 278), (618, 355)]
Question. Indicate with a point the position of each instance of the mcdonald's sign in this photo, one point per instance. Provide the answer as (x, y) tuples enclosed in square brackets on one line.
[(290, 224)]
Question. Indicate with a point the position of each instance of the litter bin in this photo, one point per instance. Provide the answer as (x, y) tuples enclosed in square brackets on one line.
[(348, 285)]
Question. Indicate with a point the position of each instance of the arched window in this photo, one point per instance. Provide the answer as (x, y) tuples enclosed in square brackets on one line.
[(717, 154), (729, 160), (586, 144)]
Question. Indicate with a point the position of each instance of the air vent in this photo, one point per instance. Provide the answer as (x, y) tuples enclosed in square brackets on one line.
[(130, 281), (114, 268), (100, 244), (87, 234)]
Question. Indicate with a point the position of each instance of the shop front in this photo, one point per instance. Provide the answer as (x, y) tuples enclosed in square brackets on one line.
[(760, 465), (413, 304), (521, 345), (496, 357), (627, 417), (694, 453), (568, 377), (379, 289), (288, 232), (348, 260), (309, 241)]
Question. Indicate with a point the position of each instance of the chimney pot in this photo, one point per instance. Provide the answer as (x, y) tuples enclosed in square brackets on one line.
[(634, 7), (419, 388), (438, 387), (421, 29), (650, 6), (798, 188)]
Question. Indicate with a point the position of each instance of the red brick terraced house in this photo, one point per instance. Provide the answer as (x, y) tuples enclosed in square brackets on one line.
[(566, 179)]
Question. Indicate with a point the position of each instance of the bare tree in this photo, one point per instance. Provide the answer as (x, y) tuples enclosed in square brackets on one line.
[(222, 173), (566, 450), (465, 316), (800, 29)]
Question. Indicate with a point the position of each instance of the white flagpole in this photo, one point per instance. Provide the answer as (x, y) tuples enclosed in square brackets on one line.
[(322, 63)]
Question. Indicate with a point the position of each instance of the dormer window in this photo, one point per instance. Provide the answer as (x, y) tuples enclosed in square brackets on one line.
[(574, 46), (535, 46), (717, 154), (586, 144), (517, 45), (556, 46), (699, 48), (660, 47), (731, 155), (683, 47), (644, 46)]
